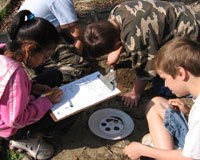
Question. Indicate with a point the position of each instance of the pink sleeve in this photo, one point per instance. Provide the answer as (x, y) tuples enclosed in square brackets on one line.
[(21, 108)]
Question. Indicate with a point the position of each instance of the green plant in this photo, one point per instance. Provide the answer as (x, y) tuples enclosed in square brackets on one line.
[(7, 154), (11, 155), (3, 13)]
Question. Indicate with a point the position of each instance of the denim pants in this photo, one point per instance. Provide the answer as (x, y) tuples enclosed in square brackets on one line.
[(176, 124)]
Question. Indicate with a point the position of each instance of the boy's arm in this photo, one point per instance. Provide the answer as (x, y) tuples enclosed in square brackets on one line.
[(136, 150), (65, 13), (114, 55), (131, 98)]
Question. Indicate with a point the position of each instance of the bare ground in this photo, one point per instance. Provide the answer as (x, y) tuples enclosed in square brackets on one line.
[(80, 143)]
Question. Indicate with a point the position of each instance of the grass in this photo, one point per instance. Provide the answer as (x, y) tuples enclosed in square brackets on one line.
[(7, 154), (7, 11), (4, 11), (11, 155)]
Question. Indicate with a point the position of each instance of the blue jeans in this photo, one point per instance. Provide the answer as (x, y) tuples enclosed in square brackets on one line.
[(176, 124)]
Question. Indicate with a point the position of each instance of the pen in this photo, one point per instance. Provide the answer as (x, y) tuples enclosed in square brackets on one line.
[(46, 94)]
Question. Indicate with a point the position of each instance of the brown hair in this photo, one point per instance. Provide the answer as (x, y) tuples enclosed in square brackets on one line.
[(100, 38), (181, 52)]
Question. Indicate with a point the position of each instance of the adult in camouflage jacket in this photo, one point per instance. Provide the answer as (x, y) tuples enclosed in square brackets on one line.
[(140, 27)]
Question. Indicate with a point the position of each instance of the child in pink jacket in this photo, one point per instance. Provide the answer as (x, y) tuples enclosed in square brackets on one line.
[(2, 47), (32, 41)]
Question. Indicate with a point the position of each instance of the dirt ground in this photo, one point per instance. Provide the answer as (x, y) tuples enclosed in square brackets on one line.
[(79, 143)]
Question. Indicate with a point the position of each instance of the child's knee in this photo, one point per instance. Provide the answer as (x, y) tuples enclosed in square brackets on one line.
[(151, 104), (156, 104)]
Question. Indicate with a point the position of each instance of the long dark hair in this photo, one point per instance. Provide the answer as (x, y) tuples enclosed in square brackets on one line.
[(26, 27)]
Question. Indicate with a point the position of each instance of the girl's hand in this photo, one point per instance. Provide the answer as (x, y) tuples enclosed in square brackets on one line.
[(38, 89), (54, 95), (178, 104)]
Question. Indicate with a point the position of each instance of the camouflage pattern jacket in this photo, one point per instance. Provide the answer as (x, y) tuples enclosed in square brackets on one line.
[(66, 59), (147, 24)]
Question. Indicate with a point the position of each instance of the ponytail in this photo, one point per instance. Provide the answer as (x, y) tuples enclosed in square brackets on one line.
[(18, 21), (26, 27)]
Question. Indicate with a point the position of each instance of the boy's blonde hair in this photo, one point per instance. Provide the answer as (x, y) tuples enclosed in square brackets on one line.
[(181, 52)]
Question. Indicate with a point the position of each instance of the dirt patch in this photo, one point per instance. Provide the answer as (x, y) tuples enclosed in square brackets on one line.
[(79, 143)]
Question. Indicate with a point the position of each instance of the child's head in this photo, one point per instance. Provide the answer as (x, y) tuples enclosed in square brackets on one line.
[(177, 62), (100, 38), (32, 39), (179, 52)]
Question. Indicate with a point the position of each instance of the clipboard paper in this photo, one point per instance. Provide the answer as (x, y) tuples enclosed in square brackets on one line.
[(82, 94)]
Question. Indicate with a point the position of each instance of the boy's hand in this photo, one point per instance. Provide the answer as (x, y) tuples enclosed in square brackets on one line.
[(54, 95), (130, 99), (178, 104), (133, 150)]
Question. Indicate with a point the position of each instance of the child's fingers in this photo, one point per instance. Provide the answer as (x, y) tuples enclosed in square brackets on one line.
[(175, 102), (58, 92), (55, 91), (175, 107)]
